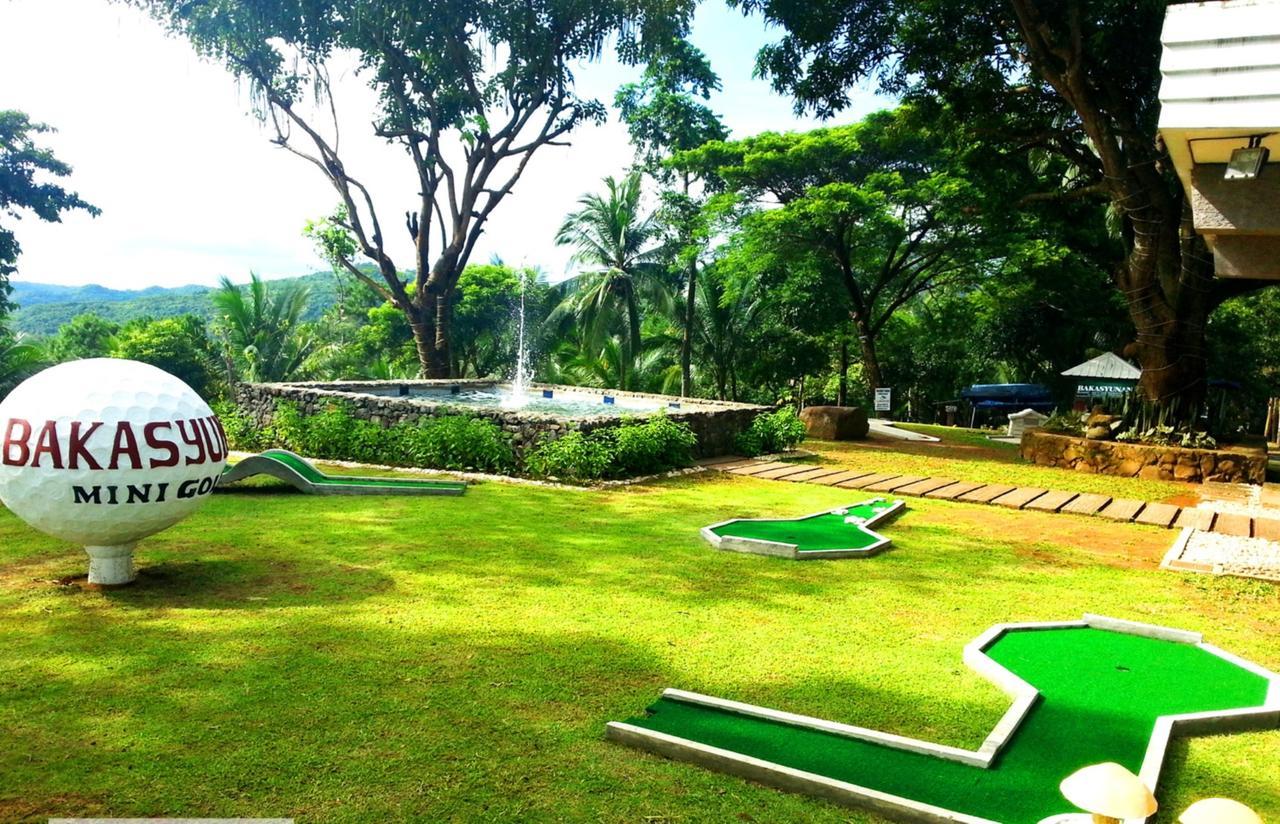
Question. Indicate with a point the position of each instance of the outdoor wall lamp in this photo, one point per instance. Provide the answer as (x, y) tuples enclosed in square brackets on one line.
[(1246, 162)]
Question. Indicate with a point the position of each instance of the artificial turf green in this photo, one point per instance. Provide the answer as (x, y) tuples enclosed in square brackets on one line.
[(1101, 693), (824, 531), (315, 476)]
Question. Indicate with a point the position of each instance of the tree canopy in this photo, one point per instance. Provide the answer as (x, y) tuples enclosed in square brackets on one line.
[(25, 187), (1074, 81), (468, 89)]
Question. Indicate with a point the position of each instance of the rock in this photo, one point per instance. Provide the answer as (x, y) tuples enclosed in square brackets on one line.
[(835, 423), (1150, 473), (1098, 433)]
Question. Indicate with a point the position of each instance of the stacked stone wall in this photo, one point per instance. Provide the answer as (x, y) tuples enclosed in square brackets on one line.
[(1163, 463), (715, 423)]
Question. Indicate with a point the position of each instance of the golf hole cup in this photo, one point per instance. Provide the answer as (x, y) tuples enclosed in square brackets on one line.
[(104, 453)]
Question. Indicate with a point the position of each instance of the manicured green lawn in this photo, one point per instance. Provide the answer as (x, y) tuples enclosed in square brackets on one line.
[(456, 659), (968, 455)]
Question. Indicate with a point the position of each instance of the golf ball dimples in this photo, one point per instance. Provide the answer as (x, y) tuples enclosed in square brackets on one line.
[(105, 452)]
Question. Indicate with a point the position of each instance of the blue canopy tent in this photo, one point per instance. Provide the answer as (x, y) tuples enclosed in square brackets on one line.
[(997, 398)]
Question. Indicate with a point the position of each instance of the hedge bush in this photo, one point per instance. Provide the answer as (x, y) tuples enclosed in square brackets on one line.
[(775, 431), (456, 442), (634, 448)]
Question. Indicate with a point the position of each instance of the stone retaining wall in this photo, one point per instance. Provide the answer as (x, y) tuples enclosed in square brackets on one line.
[(716, 423), (1163, 463)]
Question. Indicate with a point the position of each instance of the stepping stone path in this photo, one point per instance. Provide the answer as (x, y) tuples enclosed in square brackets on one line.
[(1013, 497)]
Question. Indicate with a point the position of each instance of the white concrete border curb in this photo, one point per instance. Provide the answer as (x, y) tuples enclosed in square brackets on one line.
[(1266, 716), (755, 546)]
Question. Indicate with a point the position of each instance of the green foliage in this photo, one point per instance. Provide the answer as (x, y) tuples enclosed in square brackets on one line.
[(647, 447), (573, 456), (664, 112), (657, 445), (771, 432), (1169, 436), (456, 442), (613, 238), (261, 330), (1064, 423), (466, 90), (878, 213), (85, 336), (25, 189), (486, 313), (179, 346), (459, 442), (18, 361)]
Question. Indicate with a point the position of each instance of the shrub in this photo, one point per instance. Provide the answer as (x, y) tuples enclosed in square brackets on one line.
[(242, 433), (455, 442), (572, 457), (1064, 423), (634, 448), (654, 446), (775, 431)]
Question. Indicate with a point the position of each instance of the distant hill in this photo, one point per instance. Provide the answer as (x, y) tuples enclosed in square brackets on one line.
[(44, 307)]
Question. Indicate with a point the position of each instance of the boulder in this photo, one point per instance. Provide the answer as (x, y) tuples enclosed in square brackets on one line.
[(835, 423)]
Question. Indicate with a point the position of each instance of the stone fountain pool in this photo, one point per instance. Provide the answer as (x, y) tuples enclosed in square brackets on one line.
[(529, 413)]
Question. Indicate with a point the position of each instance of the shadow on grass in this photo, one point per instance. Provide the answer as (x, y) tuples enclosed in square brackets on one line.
[(304, 717), (239, 584)]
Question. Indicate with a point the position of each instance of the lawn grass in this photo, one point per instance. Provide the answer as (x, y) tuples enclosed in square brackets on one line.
[(456, 659), (968, 455)]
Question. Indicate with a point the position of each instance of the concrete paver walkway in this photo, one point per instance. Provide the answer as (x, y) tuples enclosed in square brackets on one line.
[(1014, 497)]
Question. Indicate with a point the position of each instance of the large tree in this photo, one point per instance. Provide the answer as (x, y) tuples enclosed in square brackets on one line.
[(1073, 79), (665, 112), (26, 186), (468, 89), (882, 209)]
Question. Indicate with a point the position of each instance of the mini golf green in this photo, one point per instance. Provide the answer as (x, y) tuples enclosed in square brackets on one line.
[(834, 533), (300, 473), (1101, 693)]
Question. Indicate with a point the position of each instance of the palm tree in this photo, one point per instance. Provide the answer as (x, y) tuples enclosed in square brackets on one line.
[(723, 318), (261, 328), (18, 361), (613, 241)]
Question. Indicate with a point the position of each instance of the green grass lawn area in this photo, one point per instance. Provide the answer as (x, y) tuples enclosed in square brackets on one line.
[(455, 659), (969, 455)]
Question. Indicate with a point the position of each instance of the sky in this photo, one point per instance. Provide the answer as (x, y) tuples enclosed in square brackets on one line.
[(191, 189)]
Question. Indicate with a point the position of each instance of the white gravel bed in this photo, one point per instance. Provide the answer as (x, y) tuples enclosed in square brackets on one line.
[(1226, 555)]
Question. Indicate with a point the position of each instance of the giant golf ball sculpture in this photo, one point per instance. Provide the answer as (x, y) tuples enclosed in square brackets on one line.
[(104, 453)]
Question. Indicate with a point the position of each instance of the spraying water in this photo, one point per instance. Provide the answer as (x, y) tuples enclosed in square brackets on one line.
[(519, 383)]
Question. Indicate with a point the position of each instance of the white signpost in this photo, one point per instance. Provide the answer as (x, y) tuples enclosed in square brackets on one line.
[(883, 398), (104, 453)]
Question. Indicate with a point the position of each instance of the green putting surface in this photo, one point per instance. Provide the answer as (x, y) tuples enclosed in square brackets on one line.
[(824, 531), (315, 476), (1101, 692)]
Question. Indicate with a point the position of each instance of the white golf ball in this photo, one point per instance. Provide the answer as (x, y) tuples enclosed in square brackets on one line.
[(105, 452)]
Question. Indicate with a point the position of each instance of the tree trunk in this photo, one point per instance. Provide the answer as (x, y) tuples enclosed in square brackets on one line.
[(842, 395), (870, 361), (433, 362), (1168, 283), (686, 345)]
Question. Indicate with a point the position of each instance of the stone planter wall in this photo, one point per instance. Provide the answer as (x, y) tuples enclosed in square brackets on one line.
[(716, 423), (1163, 463)]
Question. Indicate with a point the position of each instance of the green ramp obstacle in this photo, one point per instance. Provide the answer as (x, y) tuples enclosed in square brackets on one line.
[(1084, 692), (302, 475), (843, 532)]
